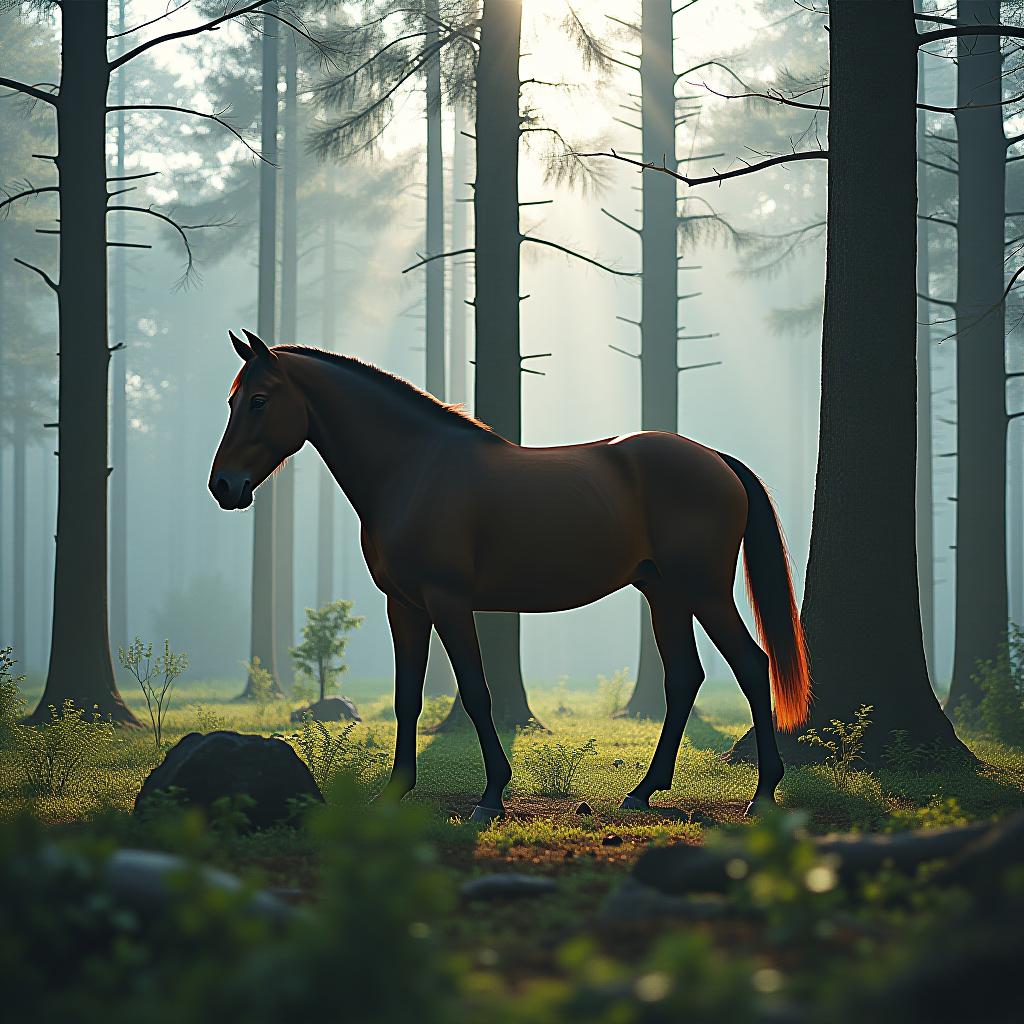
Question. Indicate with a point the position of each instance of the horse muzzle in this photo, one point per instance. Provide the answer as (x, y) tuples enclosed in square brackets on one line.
[(232, 490)]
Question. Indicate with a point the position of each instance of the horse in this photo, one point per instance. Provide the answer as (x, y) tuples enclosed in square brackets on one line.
[(455, 519)]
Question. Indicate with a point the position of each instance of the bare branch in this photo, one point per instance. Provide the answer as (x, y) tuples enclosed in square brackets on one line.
[(970, 106), (152, 21), (28, 192), (937, 302), (785, 158), (182, 230), (580, 256), (42, 273), (195, 113), (618, 220), (29, 90), (423, 260), (1006, 31), (763, 96)]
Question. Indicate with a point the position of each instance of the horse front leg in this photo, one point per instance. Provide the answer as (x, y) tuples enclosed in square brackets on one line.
[(410, 633), (453, 620)]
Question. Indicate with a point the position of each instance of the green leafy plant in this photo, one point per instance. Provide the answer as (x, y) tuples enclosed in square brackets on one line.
[(612, 690), (435, 710), (12, 705), (561, 695), (57, 754), (261, 689), (554, 767), (207, 720), (156, 677), (327, 753), (323, 643), (1001, 681), (844, 742)]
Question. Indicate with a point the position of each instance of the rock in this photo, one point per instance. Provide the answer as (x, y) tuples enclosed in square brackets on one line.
[(611, 841), (584, 808), (618, 762), (506, 886), (204, 769), (634, 901), (685, 869), (330, 709)]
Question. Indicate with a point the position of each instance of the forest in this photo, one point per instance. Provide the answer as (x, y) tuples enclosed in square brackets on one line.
[(512, 510)]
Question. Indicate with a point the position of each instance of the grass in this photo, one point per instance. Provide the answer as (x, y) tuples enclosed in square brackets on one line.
[(589, 854)]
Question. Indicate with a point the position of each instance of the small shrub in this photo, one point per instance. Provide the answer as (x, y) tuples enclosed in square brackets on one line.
[(435, 711), (940, 812), (323, 643), (611, 692), (555, 766), (12, 705), (156, 677), (844, 742), (207, 720), (261, 689), (326, 754), (1001, 681), (53, 756)]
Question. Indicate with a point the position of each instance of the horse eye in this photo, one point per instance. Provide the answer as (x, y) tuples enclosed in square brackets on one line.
[(257, 402)]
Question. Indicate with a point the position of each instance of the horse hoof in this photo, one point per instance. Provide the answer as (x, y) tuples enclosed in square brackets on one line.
[(484, 815), (634, 803), (759, 806)]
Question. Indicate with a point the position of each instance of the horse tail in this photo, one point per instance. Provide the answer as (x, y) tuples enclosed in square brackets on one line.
[(770, 588)]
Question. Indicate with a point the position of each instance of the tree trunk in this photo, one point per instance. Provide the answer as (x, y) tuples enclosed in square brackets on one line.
[(497, 239), (1016, 537), (263, 639), (458, 390), (659, 364), (119, 405), (284, 483), (862, 612), (440, 678), (925, 500), (19, 437), (326, 483), (80, 668), (981, 584)]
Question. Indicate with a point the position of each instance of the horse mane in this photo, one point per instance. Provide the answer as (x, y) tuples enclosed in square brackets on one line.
[(453, 412)]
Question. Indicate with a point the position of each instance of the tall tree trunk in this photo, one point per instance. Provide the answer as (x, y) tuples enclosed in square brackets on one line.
[(1016, 537), (46, 561), (497, 239), (80, 668), (118, 409), (862, 612), (326, 484), (925, 501), (284, 482), (19, 437), (440, 678), (981, 585), (659, 328), (458, 359), (263, 639)]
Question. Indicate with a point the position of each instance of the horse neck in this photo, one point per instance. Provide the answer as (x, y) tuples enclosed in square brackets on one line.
[(366, 432)]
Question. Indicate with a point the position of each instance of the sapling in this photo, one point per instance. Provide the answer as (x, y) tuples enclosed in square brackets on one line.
[(323, 643), (156, 677)]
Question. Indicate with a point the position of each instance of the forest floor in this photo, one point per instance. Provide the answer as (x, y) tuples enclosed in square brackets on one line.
[(588, 855)]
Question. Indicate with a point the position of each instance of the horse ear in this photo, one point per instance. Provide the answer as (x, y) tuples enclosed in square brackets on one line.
[(241, 348), (259, 347)]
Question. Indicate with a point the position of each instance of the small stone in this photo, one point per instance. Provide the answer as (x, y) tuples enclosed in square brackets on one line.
[(506, 886), (584, 808), (618, 762), (611, 841), (330, 709)]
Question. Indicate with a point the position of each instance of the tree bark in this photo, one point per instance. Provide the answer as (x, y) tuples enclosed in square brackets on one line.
[(458, 390), (284, 482), (981, 583), (19, 437), (925, 500), (497, 239), (80, 668), (326, 483), (263, 639), (659, 363), (861, 611)]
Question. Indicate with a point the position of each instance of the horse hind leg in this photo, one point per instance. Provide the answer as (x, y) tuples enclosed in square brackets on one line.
[(749, 663), (673, 630)]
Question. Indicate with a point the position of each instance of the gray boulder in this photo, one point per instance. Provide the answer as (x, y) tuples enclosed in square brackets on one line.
[(330, 709), (204, 769)]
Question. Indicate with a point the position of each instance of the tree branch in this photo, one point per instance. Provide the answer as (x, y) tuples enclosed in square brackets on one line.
[(28, 192), (607, 213), (42, 273), (424, 260), (182, 230), (817, 154), (579, 256), (152, 21), (209, 26), (1006, 31), (195, 113), (29, 90), (937, 302), (970, 106)]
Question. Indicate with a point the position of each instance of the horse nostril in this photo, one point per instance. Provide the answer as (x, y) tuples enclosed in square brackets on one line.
[(222, 489)]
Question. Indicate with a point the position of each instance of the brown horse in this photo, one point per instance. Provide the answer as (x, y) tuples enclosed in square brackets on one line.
[(456, 519)]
